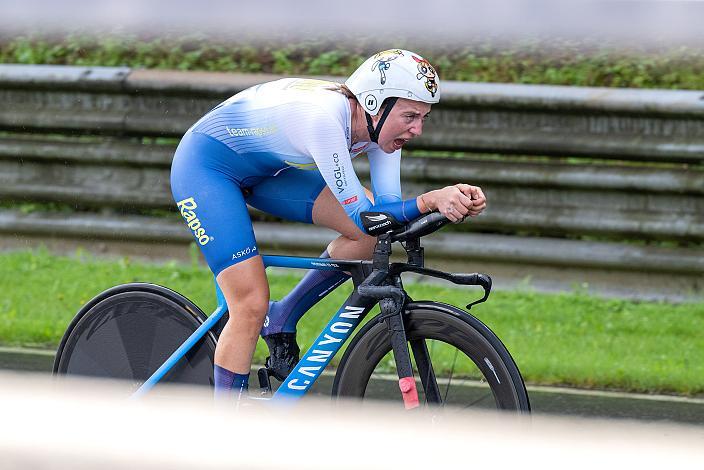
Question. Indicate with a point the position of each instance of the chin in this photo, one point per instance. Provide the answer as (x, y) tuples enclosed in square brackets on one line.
[(388, 148)]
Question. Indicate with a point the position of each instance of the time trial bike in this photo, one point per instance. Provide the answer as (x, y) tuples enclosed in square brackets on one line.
[(437, 354)]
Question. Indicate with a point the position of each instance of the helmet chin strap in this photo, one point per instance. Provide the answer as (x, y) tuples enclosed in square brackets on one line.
[(374, 133)]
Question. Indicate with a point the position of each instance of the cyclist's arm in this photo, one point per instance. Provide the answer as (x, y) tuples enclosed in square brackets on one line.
[(325, 142), (385, 172)]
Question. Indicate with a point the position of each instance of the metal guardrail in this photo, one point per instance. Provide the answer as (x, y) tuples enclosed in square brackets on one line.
[(91, 137), (658, 125), (562, 199)]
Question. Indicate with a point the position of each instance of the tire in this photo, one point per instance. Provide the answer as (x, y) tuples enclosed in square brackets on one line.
[(128, 331), (477, 364)]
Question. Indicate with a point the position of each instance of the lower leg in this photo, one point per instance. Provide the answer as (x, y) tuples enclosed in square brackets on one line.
[(284, 314), (316, 284), (247, 304), (279, 332), (229, 383)]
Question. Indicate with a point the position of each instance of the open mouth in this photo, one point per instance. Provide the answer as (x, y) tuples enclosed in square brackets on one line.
[(398, 143)]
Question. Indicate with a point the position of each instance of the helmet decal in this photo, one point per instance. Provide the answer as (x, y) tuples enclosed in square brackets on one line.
[(370, 102), (428, 72), (382, 61)]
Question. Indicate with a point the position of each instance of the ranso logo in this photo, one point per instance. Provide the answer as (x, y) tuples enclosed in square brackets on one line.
[(187, 207)]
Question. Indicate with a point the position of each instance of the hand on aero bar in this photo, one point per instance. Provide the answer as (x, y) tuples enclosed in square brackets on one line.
[(456, 202)]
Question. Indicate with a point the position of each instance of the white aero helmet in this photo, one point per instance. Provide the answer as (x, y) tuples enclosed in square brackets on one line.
[(394, 73)]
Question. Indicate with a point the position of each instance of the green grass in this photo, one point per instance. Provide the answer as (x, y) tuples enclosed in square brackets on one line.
[(530, 61), (565, 339)]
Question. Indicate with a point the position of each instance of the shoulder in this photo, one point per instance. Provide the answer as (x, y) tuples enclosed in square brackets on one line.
[(317, 106)]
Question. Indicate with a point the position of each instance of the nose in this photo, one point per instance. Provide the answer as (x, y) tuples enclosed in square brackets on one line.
[(417, 128)]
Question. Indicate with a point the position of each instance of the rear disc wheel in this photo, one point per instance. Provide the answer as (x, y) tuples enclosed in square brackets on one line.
[(128, 331)]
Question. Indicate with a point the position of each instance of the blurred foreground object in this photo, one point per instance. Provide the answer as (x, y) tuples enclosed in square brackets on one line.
[(642, 21), (81, 425)]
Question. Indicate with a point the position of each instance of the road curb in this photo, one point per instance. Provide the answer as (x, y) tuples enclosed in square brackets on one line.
[(48, 354)]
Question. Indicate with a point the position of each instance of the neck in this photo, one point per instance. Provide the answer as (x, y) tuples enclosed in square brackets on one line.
[(358, 125)]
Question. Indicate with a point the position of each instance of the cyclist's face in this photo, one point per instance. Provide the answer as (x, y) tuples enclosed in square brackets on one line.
[(405, 121)]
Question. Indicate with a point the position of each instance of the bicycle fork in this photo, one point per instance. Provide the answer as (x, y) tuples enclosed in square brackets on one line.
[(391, 301), (397, 332)]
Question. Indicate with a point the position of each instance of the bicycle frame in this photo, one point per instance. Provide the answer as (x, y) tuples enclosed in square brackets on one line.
[(354, 309), (323, 349)]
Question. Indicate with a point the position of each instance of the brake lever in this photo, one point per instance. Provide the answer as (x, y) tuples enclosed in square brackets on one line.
[(484, 281), (473, 279)]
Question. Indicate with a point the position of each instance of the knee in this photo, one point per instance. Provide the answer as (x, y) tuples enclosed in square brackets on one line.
[(361, 246), (364, 239), (246, 303), (360, 238), (251, 307), (368, 242)]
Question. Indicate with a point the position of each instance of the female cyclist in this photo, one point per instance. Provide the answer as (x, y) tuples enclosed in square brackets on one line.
[(285, 147)]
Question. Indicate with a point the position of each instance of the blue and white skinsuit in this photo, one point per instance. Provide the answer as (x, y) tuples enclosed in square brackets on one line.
[(275, 146)]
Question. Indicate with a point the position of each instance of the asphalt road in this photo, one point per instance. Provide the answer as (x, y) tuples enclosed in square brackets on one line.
[(544, 400)]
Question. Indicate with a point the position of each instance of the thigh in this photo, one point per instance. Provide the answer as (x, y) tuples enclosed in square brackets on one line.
[(328, 212), (353, 243), (212, 205), (290, 195)]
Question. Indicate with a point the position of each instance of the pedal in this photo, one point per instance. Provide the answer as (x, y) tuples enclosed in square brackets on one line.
[(264, 381)]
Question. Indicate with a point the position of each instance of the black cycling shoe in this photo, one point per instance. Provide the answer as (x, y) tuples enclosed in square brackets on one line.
[(283, 354)]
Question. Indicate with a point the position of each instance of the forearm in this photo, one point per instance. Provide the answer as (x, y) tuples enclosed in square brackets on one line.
[(404, 211)]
